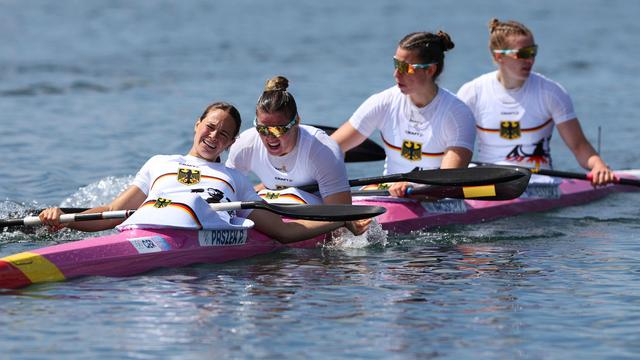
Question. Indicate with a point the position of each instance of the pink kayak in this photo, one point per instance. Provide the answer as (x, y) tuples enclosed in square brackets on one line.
[(136, 251), (133, 252), (405, 215)]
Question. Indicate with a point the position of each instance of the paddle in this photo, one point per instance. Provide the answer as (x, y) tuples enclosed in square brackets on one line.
[(568, 175), (367, 151), (572, 175), (339, 212), (475, 176), (498, 191)]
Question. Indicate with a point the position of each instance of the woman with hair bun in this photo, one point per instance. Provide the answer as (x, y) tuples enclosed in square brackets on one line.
[(196, 179), (282, 153), (516, 109), (422, 124)]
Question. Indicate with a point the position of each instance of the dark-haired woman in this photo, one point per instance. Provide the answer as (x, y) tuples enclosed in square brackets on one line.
[(422, 124), (171, 177), (516, 109), (283, 153)]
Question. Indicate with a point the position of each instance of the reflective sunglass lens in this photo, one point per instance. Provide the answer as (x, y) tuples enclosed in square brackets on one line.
[(276, 131), (527, 53), (402, 67)]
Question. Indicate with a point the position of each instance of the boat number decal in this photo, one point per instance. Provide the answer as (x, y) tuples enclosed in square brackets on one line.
[(149, 244), (222, 237), (550, 191), (445, 206)]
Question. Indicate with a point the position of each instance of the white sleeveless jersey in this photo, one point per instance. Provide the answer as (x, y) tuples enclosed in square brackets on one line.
[(413, 136), (515, 126), (316, 158), (178, 187)]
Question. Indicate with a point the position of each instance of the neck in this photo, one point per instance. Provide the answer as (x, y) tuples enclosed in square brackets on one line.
[(425, 96), (510, 83), (195, 154)]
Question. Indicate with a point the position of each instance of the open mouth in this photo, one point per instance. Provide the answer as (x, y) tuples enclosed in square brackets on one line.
[(274, 146), (209, 144)]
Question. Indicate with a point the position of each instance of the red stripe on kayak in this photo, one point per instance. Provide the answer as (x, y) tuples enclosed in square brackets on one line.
[(11, 277)]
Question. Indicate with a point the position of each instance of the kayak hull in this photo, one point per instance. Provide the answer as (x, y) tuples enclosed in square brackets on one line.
[(133, 252), (405, 215), (138, 250)]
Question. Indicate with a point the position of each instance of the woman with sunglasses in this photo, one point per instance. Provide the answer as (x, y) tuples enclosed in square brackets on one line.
[(516, 109), (284, 154), (191, 182), (422, 124)]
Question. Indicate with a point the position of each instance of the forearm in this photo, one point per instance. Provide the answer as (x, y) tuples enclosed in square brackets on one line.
[(347, 137), (587, 156), (456, 157), (290, 231), (97, 225), (338, 198)]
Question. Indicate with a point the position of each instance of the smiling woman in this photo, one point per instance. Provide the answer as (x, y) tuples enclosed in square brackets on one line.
[(190, 182), (283, 153)]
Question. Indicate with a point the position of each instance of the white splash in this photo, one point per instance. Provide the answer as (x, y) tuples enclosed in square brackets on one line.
[(98, 193), (343, 239)]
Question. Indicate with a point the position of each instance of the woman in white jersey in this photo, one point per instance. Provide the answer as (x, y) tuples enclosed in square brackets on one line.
[(422, 124), (200, 172), (283, 153), (516, 109)]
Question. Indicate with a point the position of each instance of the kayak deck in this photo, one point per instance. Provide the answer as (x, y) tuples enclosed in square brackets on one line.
[(406, 215)]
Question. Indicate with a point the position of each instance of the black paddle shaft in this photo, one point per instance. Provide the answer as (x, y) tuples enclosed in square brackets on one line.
[(475, 176), (337, 212)]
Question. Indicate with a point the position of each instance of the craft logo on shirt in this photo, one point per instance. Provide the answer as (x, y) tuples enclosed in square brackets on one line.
[(188, 176), (161, 203), (510, 129), (411, 150)]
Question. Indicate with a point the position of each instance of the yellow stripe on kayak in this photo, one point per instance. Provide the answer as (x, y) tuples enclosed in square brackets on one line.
[(478, 191), (35, 267)]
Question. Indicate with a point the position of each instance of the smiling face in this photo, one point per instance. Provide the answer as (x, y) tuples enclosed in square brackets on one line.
[(213, 134), (277, 146), (512, 69)]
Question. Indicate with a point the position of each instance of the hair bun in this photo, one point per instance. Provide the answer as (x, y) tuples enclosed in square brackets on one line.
[(445, 39), (493, 25), (277, 83)]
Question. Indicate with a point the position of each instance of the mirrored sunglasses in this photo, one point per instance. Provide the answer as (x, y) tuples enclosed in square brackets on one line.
[(276, 131), (406, 68), (522, 53)]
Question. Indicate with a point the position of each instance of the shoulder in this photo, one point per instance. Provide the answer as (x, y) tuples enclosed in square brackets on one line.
[(319, 140), (235, 174), (246, 143), (480, 80), (247, 137), (452, 101), (157, 159), (386, 96), (546, 83), (469, 91)]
